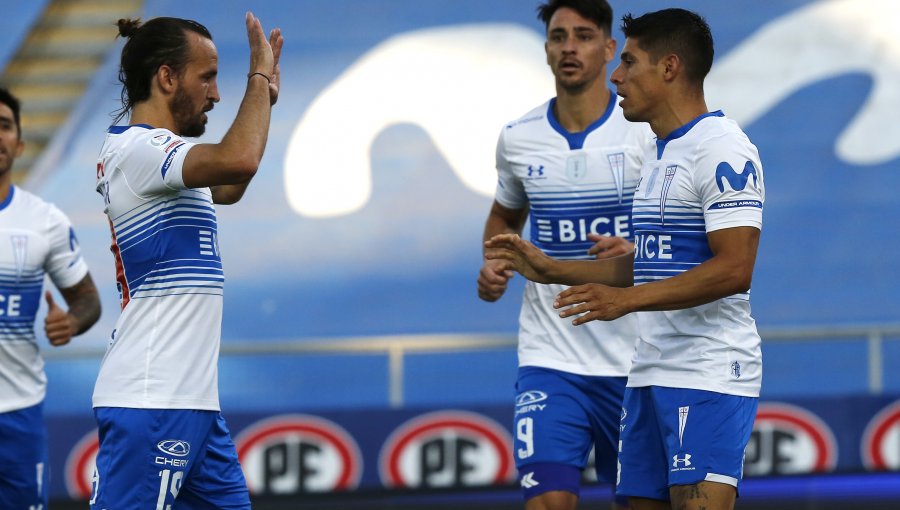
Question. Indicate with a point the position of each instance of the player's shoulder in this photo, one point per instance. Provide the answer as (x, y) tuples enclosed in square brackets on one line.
[(716, 126), (33, 206), (142, 134), (536, 118)]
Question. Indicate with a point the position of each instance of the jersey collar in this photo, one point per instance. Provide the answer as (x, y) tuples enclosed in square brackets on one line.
[(118, 130), (5, 203), (576, 140), (678, 133)]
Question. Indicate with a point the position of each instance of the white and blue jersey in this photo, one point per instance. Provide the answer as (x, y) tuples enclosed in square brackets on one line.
[(164, 350), (705, 176), (36, 239), (573, 184)]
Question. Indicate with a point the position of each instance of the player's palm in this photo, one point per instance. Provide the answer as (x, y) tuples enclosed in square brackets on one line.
[(521, 256)]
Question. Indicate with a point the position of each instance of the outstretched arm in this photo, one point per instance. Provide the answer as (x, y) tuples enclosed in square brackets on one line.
[(728, 272), (84, 310), (494, 276), (526, 259)]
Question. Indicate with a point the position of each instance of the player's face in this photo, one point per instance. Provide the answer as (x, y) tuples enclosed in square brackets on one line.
[(197, 89), (10, 145), (638, 81), (577, 50)]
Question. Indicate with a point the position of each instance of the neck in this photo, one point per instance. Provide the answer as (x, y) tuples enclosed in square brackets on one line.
[(5, 184), (575, 111), (677, 111), (153, 112)]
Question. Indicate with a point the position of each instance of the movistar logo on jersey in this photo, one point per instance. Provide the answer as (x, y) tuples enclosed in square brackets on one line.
[(737, 181)]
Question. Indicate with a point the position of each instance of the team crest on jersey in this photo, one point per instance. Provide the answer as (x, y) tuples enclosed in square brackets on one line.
[(20, 254), (576, 167), (617, 166), (667, 183)]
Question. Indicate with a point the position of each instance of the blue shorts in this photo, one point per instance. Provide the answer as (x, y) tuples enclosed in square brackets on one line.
[(24, 473), (148, 458), (559, 416), (676, 436)]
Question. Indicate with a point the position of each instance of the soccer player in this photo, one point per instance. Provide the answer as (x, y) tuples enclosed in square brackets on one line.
[(694, 382), (156, 400), (571, 164), (36, 239)]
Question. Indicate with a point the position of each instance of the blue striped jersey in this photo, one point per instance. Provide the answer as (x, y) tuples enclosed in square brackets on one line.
[(705, 176), (164, 349), (573, 184), (36, 239)]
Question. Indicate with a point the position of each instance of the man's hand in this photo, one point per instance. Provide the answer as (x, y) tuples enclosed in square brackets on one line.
[(519, 255), (59, 325), (493, 280), (265, 54), (591, 302), (607, 247)]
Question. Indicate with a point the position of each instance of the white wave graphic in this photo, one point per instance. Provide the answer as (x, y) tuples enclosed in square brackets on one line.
[(459, 83), (817, 42)]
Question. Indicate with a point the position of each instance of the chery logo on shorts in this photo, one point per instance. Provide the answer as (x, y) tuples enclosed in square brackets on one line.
[(530, 397), (174, 447)]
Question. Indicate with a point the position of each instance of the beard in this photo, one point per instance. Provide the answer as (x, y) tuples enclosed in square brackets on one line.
[(188, 123)]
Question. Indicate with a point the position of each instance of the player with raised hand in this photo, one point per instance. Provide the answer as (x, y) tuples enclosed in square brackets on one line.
[(162, 436)]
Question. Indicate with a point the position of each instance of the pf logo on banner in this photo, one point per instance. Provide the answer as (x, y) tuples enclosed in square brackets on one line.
[(293, 454), (447, 449), (789, 440), (80, 466), (881, 440)]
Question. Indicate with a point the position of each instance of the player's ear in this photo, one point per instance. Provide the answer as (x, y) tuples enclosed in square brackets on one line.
[(166, 79), (671, 66), (610, 49), (20, 148)]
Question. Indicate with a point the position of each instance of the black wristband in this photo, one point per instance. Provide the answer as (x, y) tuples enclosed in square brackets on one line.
[(251, 75)]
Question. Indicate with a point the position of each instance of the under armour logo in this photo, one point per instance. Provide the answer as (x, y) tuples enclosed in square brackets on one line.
[(686, 461), (528, 481), (532, 170)]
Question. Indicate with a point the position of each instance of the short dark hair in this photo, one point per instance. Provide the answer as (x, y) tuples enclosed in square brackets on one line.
[(13, 103), (677, 31), (159, 41), (597, 11)]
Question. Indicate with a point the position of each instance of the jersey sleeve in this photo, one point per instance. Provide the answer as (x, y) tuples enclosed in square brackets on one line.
[(510, 193), (64, 263), (729, 181), (155, 162)]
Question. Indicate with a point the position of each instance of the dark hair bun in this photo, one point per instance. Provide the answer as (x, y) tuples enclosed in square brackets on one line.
[(128, 27)]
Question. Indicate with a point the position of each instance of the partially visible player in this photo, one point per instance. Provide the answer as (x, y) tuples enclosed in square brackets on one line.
[(163, 441), (571, 164), (694, 384), (36, 239)]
